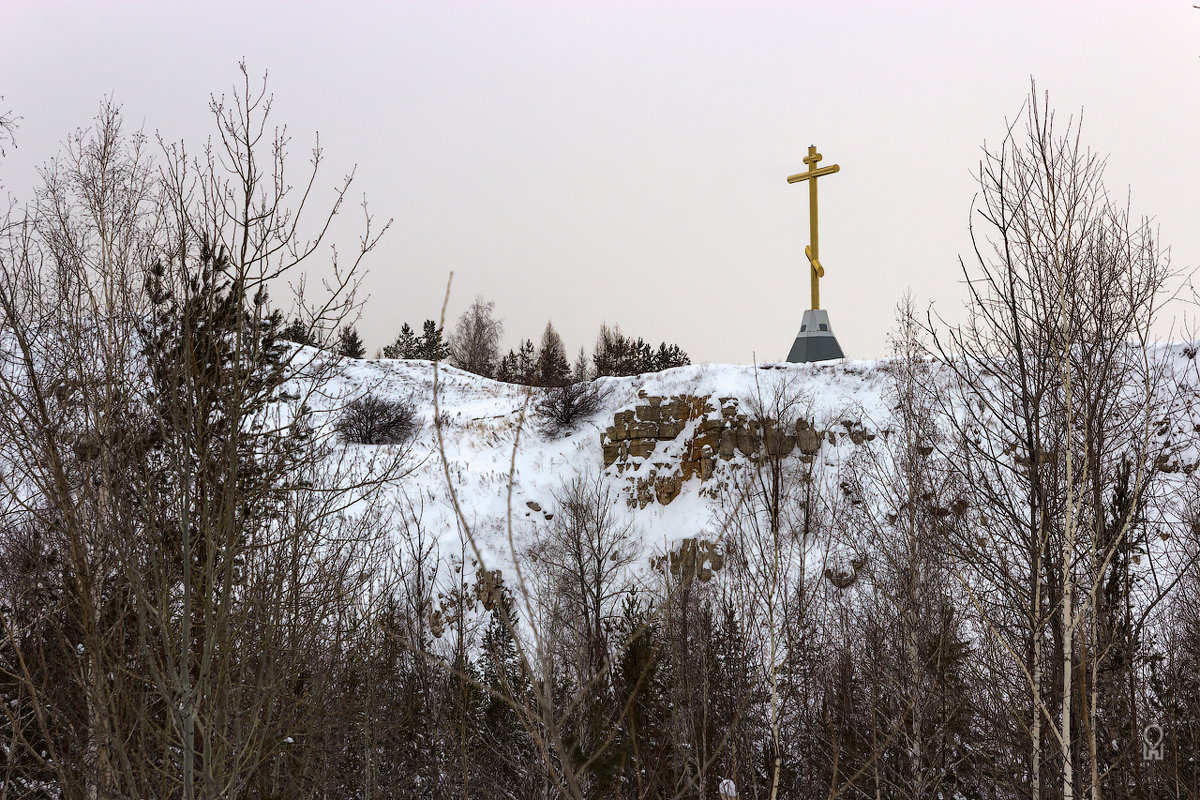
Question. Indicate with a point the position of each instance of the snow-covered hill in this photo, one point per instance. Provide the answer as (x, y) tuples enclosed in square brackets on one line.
[(502, 467), (482, 419)]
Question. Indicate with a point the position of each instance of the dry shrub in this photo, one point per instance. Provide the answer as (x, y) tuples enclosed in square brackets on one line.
[(371, 419)]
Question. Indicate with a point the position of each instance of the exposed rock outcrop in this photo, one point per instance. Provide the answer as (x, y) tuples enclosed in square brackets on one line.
[(702, 435), (693, 559)]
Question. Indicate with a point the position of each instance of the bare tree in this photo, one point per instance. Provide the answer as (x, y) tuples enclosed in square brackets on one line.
[(8, 124), (1052, 364), (198, 517), (905, 501), (584, 554), (70, 297), (475, 345), (775, 534)]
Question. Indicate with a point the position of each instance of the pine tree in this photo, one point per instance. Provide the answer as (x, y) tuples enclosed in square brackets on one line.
[(643, 356), (296, 331), (668, 357), (552, 367), (506, 371), (641, 684), (509, 754), (615, 354), (349, 344), (215, 365), (619, 355), (462, 721), (430, 345), (405, 345), (581, 372), (730, 667), (526, 363)]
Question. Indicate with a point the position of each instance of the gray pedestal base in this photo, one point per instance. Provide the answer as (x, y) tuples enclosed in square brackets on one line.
[(815, 341)]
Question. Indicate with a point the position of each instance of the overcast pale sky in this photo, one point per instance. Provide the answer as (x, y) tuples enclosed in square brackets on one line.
[(626, 161)]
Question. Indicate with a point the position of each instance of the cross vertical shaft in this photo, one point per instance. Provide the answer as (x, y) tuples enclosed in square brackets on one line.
[(816, 270), (813, 258)]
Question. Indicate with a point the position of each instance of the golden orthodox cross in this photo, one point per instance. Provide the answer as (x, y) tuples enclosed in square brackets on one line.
[(813, 173)]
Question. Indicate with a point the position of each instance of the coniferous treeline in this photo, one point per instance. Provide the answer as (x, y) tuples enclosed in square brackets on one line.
[(475, 347)]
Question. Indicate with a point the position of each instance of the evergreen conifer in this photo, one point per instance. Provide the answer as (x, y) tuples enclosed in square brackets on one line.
[(349, 343)]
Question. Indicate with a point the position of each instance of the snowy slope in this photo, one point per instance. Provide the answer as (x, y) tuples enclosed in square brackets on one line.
[(482, 419)]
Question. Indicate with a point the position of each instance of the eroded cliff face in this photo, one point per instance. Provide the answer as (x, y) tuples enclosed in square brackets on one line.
[(685, 436), (691, 559)]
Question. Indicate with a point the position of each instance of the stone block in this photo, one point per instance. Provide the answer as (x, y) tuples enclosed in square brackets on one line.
[(620, 426), (641, 448), (648, 413), (705, 438), (688, 468), (670, 429), (727, 446), (667, 487), (643, 430), (692, 559), (778, 443)]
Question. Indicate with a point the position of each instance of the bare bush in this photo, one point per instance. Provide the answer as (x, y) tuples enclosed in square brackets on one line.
[(371, 419), (561, 408)]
